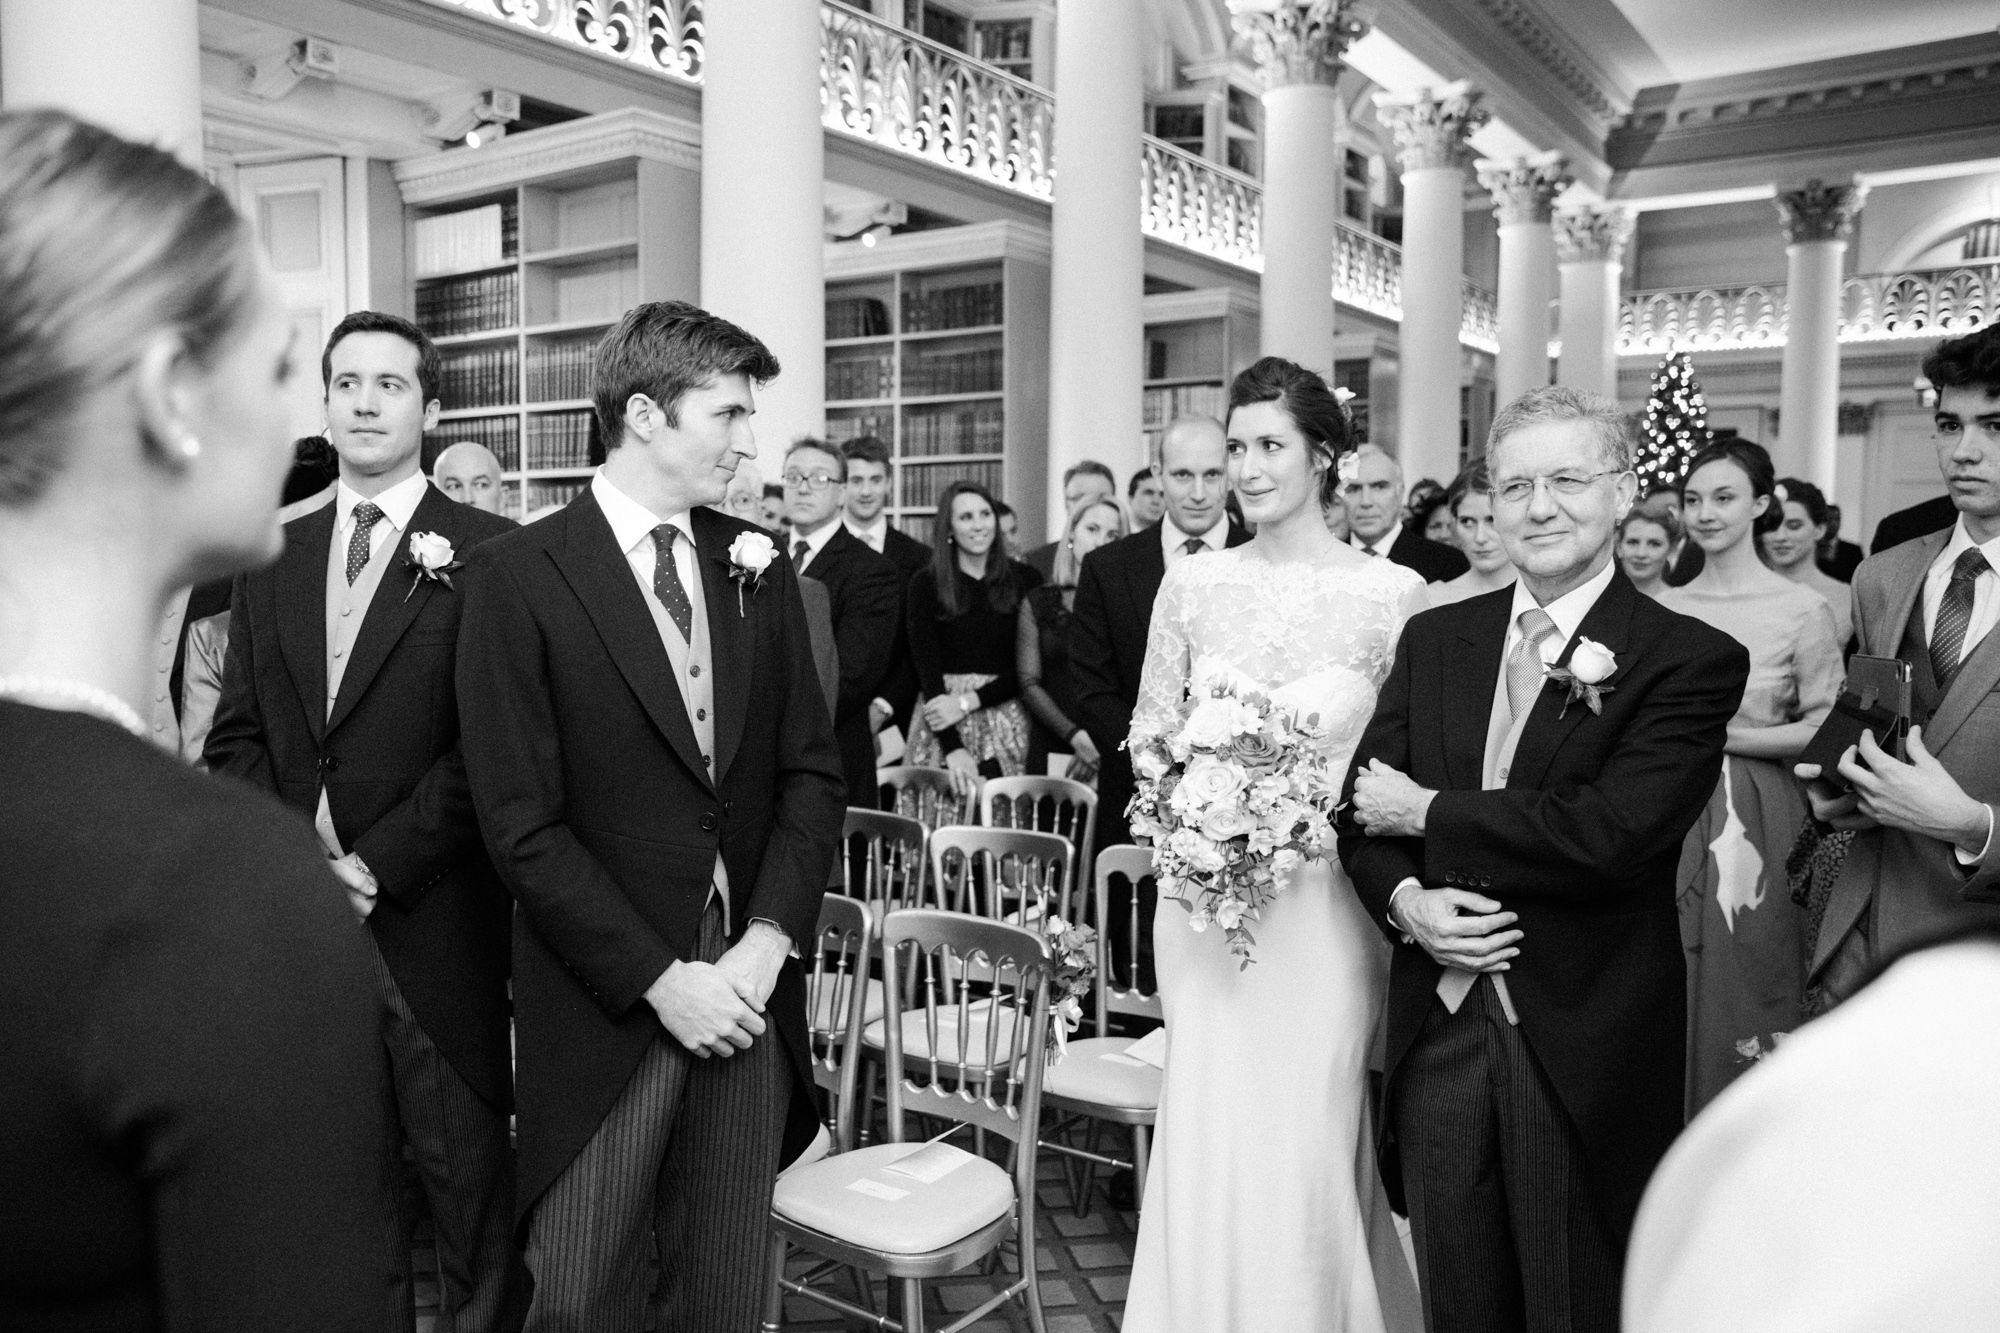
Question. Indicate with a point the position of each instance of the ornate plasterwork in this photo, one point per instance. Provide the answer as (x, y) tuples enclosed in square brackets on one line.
[(1297, 41), (1431, 125), (1556, 57), (1525, 189), (1592, 233), (1817, 211)]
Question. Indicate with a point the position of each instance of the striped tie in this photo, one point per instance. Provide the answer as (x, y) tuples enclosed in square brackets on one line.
[(366, 516), (1525, 670), (1954, 615)]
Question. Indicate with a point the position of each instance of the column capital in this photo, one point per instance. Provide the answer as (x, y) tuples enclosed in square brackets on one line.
[(1817, 211), (1298, 41), (1525, 189), (1592, 232), (1431, 124)]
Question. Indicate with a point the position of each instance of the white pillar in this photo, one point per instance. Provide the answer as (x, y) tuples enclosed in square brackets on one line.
[(1297, 45), (1818, 219), (1524, 193), (763, 164), (132, 66), (1431, 126), (1097, 275), (1590, 247)]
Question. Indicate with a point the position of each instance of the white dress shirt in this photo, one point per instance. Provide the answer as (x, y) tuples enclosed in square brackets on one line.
[(397, 504), (815, 542), (876, 534), (1174, 542), (1380, 546), (1985, 589)]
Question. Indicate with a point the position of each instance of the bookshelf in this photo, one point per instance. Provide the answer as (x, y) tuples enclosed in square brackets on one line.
[(937, 342), (522, 255), (1195, 341)]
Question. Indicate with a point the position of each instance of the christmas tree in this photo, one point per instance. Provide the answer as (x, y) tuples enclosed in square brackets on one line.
[(1676, 423)]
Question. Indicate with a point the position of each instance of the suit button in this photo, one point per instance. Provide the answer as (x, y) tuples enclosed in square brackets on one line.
[(694, 671), (1486, 881), (710, 822), (701, 715)]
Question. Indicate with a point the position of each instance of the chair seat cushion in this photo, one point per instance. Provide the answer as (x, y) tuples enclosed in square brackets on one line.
[(916, 1039), (914, 1218), (1089, 1074)]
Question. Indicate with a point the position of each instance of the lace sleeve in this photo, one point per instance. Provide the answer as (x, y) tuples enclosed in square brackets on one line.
[(1163, 680)]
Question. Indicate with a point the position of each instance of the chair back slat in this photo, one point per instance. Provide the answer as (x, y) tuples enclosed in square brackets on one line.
[(836, 1000), (1117, 984), (927, 795), (992, 872), (885, 858), (1044, 805)]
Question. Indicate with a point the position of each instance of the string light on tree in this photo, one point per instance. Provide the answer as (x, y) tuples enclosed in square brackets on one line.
[(1676, 423)]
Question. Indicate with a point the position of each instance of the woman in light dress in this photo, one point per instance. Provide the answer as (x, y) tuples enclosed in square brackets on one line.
[(1263, 1210), (1470, 501), (1793, 547)]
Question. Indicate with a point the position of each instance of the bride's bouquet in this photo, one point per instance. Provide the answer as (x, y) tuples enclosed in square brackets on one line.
[(1233, 800)]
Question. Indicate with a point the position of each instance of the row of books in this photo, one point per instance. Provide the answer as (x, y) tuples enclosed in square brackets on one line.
[(500, 434), (561, 370), (483, 377), (469, 238), (850, 377), (469, 305), (1161, 407), (957, 428), (552, 494), (856, 317), (952, 307), (844, 426), (923, 485), (975, 371), (559, 439)]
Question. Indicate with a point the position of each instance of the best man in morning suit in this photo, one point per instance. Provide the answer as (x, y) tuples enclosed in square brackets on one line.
[(1500, 827), (339, 695), (656, 775)]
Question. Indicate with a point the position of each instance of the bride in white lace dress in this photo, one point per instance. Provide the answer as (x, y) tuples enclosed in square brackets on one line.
[(1263, 1210)]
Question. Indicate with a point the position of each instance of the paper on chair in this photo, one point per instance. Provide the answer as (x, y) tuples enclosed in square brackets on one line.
[(1150, 1049), (875, 1189), (889, 745), (1058, 765), (930, 1163)]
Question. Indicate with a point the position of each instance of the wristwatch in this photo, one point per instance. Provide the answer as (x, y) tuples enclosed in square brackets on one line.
[(968, 702)]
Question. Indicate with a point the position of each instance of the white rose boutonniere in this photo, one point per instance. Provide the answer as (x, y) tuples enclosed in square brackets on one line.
[(1590, 665), (749, 556), (431, 557)]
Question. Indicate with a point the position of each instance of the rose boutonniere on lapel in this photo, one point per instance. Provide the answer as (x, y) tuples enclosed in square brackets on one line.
[(749, 556), (1590, 665), (431, 557)]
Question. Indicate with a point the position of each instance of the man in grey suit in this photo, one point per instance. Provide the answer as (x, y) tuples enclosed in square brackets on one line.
[(1923, 857)]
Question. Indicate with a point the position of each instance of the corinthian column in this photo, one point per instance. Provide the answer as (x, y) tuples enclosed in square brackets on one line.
[(1818, 218), (1431, 126), (132, 66), (1590, 250), (1524, 193), (1297, 45)]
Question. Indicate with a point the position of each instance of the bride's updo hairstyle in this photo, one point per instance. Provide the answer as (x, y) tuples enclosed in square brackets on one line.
[(1310, 404), (104, 244)]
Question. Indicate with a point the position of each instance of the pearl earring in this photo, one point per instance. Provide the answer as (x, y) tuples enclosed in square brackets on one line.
[(189, 448)]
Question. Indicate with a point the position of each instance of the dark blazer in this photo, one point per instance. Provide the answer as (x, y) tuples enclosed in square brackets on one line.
[(600, 814), (1845, 560), (899, 681), (867, 599), (1681, 570), (1583, 842), (1108, 625), (1919, 520), (905, 552), (388, 753), (1042, 559), (1434, 560)]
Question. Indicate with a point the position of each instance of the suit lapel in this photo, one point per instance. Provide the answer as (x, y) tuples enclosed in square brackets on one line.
[(595, 569), (731, 632), (301, 610), (1977, 676), (1609, 622), (395, 605), (1887, 637), (1466, 705)]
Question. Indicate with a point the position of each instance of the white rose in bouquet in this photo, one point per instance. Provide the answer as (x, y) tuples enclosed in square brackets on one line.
[(1209, 781), (1223, 822)]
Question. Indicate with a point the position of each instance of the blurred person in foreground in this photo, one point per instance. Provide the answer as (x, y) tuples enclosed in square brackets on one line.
[(193, 1088)]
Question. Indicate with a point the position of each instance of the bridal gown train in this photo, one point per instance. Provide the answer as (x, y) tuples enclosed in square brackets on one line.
[(1263, 1210)]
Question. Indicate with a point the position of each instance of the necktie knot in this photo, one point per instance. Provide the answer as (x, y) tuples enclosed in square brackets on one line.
[(1526, 671), (1194, 546), (366, 515), (1970, 565), (1536, 625), (799, 551)]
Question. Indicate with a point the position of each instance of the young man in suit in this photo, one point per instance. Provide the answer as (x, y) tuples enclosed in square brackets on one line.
[(1923, 856), (656, 776), (868, 490), (1520, 847), (1114, 610), (1374, 500), (338, 694), (866, 595)]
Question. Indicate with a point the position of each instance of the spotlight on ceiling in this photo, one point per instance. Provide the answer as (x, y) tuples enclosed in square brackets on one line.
[(481, 121), (269, 78)]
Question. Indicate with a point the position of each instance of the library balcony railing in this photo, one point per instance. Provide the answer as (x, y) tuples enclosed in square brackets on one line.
[(662, 36), (1196, 203), (1874, 307)]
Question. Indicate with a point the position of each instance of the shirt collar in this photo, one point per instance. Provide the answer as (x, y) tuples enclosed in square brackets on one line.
[(1961, 541), (1567, 610), (398, 504), (631, 522), (817, 541), (876, 534), (1381, 544), (1174, 542)]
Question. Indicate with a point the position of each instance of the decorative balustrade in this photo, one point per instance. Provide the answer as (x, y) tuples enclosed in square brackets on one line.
[(1191, 201), (1479, 320), (1367, 272), (1934, 303), (1875, 307), (662, 36)]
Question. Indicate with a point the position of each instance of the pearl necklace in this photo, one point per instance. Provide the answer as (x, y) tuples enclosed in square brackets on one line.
[(76, 697)]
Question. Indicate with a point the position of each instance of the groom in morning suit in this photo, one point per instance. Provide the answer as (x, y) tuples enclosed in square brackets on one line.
[(338, 695), (656, 775), (1519, 848)]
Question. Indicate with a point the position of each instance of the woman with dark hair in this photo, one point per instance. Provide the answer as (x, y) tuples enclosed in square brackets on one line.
[(1263, 1109), (1792, 548), (962, 620), (1042, 645), (193, 1086), (1469, 501), (1431, 515), (1745, 937)]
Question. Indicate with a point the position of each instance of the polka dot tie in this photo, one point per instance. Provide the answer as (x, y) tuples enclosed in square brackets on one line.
[(1955, 615), (667, 585), (366, 516)]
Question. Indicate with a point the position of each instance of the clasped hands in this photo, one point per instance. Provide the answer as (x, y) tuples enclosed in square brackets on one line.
[(1919, 796), (1456, 927), (718, 1008)]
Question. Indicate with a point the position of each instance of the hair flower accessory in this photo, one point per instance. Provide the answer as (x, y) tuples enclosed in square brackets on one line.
[(1590, 665), (431, 557), (1348, 468), (1784, 497), (749, 556)]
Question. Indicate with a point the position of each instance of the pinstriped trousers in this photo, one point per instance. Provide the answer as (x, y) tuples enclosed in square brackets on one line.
[(686, 1159), (1508, 1237)]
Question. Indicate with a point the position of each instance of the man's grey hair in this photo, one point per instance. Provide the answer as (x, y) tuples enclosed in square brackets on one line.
[(1377, 451), (1557, 403)]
